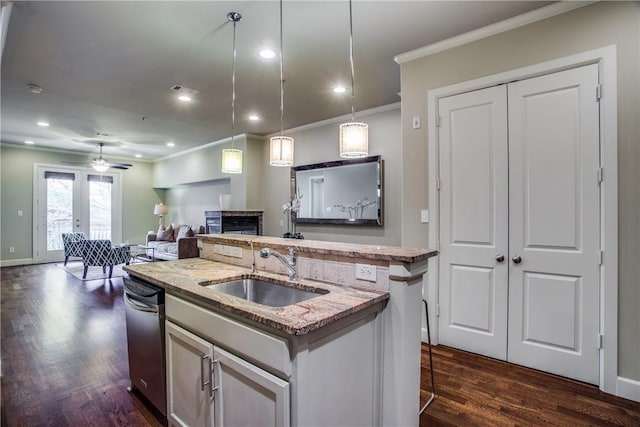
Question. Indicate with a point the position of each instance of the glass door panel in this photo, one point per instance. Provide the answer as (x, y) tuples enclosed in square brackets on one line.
[(74, 200), (59, 211), (100, 209)]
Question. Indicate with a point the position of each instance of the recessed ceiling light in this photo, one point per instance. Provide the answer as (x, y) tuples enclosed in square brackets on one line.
[(184, 98), (138, 155), (339, 89), (267, 53), (254, 118), (43, 124), (34, 88), (170, 144), (29, 142)]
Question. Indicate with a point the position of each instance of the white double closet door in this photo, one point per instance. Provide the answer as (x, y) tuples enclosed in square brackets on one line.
[(520, 223)]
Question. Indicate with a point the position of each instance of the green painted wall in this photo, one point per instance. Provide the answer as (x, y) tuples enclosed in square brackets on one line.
[(16, 193)]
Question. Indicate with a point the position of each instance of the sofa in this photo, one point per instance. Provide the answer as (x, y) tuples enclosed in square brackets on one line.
[(175, 241)]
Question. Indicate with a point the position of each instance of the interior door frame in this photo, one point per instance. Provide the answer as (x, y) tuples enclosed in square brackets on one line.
[(606, 59), (116, 205)]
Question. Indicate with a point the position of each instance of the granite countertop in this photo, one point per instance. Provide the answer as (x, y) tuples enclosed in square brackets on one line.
[(185, 278), (350, 250)]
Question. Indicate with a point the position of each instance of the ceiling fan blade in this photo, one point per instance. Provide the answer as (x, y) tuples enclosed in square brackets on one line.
[(118, 167), (121, 164)]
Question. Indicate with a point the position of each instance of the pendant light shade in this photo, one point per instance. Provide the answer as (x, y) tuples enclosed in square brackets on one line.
[(354, 136), (281, 147), (231, 160), (354, 140), (281, 151), (232, 157)]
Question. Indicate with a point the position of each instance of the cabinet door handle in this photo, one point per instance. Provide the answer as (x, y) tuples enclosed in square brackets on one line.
[(500, 257), (204, 357), (516, 259), (212, 374)]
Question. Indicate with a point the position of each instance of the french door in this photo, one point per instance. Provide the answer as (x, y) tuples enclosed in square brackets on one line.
[(520, 225), (74, 200)]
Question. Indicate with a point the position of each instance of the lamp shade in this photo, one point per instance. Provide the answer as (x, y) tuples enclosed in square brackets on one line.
[(231, 160), (281, 151), (160, 209), (354, 140)]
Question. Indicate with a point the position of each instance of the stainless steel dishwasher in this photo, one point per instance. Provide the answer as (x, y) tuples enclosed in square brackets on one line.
[(144, 308)]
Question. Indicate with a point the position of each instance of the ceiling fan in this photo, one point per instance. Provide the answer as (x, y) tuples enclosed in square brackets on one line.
[(102, 165)]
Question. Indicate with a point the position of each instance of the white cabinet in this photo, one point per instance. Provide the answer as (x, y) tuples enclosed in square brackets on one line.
[(208, 386), (261, 377), (189, 395), (247, 395)]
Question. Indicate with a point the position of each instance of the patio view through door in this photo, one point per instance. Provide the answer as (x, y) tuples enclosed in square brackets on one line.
[(74, 200)]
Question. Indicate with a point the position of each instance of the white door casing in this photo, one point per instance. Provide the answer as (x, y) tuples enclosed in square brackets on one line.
[(551, 225), (80, 207), (554, 223), (474, 214)]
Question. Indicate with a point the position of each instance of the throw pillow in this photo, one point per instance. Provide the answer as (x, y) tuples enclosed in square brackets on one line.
[(185, 231), (165, 233)]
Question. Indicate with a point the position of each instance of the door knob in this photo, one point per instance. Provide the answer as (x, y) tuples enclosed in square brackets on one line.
[(516, 259), (500, 257)]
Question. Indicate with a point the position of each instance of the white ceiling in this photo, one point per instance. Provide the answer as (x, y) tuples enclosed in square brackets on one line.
[(106, 67)]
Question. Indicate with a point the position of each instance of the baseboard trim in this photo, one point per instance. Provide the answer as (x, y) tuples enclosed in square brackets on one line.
[(15, 262), (628, 388)]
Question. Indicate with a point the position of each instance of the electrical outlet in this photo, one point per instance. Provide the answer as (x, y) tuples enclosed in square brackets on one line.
[(12, 250), (20, 212), (366, 272)]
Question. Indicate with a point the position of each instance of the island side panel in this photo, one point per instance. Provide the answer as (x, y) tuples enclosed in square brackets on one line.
[(402, 343)]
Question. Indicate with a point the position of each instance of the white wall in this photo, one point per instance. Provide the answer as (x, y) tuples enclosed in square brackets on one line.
[(186, 204), (319, 143)]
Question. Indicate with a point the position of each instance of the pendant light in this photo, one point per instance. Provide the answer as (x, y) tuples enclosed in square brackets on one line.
[(232, 157), (354, 136), (281, 147)]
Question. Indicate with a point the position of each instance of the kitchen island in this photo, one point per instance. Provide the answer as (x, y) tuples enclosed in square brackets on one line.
[(350, 355)]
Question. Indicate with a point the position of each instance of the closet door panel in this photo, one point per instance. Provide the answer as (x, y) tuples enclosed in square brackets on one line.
[(554, 223), (473, 213)]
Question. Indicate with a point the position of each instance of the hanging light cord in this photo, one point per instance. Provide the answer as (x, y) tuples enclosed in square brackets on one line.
[(353, 90), (281, 77), (234, 17)]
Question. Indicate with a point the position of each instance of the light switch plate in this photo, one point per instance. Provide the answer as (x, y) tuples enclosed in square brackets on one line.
[(424, 216), (366, 272), (416, 122)]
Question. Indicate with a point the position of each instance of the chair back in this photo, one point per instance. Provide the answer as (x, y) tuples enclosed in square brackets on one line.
[(73, 243)]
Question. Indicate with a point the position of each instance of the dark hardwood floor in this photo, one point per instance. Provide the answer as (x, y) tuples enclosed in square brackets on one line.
[(64, 363), (473, 390)]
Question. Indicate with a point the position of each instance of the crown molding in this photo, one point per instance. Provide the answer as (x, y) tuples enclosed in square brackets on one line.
[(493, 29), (340, 119)]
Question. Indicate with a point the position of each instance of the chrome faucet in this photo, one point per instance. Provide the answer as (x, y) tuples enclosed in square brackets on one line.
[(290, 264)]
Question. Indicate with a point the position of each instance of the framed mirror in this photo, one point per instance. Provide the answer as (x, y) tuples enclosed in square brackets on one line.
[(339, 192)]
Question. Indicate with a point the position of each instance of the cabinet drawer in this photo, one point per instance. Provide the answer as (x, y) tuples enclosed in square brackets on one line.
[(263, 349)]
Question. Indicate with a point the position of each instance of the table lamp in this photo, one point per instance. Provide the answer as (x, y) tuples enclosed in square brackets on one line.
[(160, 210)]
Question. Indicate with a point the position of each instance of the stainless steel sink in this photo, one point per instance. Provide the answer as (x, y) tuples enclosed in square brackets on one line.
[(265, 292)]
